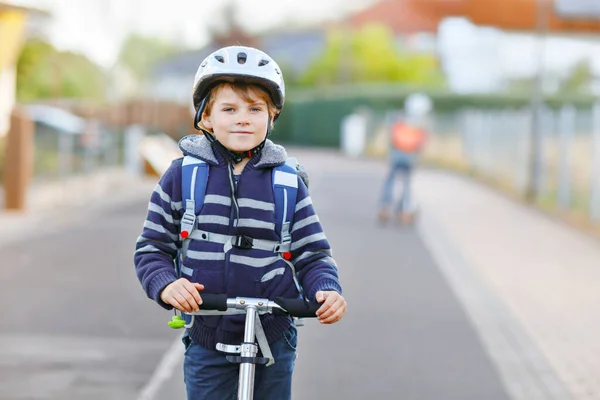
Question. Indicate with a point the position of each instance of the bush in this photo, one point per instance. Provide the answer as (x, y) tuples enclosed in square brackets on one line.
[(312, 117)]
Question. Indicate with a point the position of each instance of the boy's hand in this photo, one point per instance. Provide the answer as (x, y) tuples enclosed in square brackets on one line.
[(183, 295), (333, 307)]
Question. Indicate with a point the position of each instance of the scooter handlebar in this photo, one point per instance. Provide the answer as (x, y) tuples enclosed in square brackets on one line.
[(294, 307), (214, 302)]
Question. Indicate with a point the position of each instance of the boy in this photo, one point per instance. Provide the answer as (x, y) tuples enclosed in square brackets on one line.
[(407, 143), (238, 93)]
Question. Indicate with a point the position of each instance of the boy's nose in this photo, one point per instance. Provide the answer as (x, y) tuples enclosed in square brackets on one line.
[(243, 121)]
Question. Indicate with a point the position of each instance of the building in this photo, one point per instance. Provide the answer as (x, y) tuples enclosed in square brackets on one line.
[(295, 48), (14, 26)]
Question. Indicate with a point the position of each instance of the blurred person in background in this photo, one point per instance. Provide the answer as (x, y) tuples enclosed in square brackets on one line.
[(408, 135)]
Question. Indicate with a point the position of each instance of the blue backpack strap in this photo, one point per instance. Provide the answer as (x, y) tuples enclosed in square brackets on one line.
[(194, 175), (285, 191)]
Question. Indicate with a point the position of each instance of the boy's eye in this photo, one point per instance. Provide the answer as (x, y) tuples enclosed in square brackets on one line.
[(227, 109), (256, 109)]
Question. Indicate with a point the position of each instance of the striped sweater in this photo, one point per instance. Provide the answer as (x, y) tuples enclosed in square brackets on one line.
[(235, 271)]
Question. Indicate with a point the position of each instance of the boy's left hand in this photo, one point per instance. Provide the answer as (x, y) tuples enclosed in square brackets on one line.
[(333, 307)]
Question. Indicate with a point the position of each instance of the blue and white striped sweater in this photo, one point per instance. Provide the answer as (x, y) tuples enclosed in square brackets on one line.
[(237, 272)]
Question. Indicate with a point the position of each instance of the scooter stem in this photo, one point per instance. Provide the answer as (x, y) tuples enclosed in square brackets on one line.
[(249, 351)]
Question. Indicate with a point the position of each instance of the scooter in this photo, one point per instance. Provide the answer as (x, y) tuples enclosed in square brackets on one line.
[(254, 336)]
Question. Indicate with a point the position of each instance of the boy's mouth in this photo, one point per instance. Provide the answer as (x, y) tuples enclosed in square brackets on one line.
[(243, 132)]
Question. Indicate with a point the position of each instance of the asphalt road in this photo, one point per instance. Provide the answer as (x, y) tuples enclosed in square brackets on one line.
[(405, 335), (77, 325)]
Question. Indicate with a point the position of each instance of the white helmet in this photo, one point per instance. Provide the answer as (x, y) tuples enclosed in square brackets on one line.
[(239, 63)]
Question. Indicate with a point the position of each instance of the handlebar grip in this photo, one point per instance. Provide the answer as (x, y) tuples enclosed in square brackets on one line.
[(214, 302), (297, 307)]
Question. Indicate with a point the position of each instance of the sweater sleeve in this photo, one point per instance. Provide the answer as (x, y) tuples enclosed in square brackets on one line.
[(311, 252), (157, 247)]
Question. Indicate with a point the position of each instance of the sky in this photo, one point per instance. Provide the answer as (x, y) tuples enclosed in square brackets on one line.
[(96, 27), (475, 57)]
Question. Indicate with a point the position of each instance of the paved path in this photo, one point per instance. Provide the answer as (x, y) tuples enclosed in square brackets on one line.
[(483, 299), (545, 274)]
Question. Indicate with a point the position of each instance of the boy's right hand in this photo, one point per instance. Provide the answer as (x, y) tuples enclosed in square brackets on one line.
[(183, 295)]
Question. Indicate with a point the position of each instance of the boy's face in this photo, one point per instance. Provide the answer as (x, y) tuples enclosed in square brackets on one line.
[(237, 124)]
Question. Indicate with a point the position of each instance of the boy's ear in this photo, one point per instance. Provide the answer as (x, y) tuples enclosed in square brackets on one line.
[(206, 121)]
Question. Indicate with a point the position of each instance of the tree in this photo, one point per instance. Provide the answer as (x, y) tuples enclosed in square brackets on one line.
[(371, 55), (579, 80), (225, 30), (43, 72), (520, 85), (140, 53)]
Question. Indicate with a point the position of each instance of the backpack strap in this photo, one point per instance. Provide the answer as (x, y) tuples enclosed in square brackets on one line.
[(194, 176), (285, 191)]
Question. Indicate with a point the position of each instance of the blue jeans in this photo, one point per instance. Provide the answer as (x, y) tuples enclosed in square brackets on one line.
[(209, 376), (401, 163)]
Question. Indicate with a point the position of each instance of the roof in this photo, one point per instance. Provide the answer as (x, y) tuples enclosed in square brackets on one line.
[(411, 16), (403, 16), (292, 50), (519, 15), (8, 6), (56, 118), (182, 64)]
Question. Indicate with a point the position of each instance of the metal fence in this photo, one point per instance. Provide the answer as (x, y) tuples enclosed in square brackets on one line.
[(493, 144), (496, 145), (59, 155)]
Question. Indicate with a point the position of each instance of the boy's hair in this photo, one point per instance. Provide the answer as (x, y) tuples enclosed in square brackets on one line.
[(247, 91)]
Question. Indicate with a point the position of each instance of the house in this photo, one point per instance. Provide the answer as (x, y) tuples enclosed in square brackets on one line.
[(414, 26), (294, 49), (173, 79), (14, 26)]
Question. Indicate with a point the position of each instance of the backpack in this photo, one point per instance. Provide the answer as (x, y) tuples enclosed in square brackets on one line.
[(285, 189), (407, 138), (194, 177)]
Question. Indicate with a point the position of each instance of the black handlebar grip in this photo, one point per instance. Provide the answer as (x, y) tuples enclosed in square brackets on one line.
[(214, 302), (297, 307)]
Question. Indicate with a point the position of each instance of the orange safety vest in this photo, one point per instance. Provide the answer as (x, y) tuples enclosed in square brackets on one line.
[(407, 138)]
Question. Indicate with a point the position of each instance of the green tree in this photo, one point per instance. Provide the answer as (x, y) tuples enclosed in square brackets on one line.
[(579, 80), (44, 72), (370, 54), (520, 85), (140, 53)]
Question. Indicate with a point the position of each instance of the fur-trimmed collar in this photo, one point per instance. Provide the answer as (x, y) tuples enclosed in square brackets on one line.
[(198, 146)]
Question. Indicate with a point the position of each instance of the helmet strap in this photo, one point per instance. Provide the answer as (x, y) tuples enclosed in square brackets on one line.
[(199, 111), (237, 156)]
